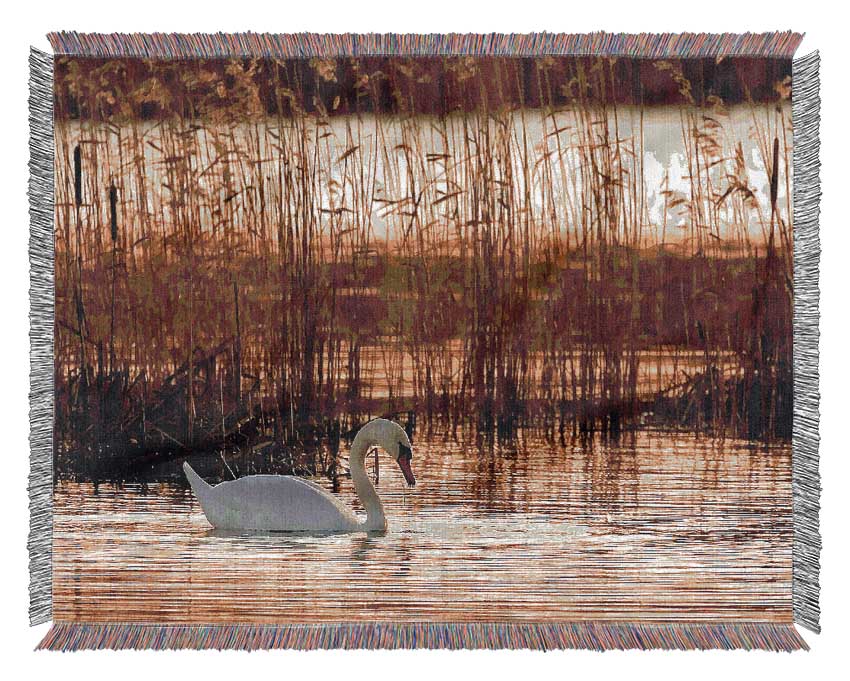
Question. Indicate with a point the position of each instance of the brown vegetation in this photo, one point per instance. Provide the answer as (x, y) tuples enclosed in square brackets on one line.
[(233, 279)]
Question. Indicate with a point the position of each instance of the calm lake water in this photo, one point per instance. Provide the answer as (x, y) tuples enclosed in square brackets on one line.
[(651, 526)]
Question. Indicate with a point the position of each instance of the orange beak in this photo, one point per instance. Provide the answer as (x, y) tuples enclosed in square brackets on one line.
[(404, 457)]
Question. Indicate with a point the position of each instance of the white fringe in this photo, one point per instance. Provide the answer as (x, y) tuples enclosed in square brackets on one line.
[(806, 478), (40, 542)]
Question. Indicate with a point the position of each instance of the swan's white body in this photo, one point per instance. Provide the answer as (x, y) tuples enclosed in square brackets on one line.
[(283, 503)]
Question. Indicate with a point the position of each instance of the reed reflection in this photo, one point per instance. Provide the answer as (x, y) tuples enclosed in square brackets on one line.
[(647, 525)]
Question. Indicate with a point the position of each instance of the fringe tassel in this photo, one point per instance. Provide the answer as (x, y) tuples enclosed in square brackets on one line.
[(806, 478), (580, 635), (40, 542), (211, 45)]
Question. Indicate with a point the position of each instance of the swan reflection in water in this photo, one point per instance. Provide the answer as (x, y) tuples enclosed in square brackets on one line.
[(394, 548)]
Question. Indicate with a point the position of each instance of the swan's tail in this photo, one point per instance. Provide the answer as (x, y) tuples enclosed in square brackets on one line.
[(199, 485)]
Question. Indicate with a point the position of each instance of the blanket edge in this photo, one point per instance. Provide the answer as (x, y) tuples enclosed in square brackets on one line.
[(779, 44), (806, 485), (598, 636), (40, 192)]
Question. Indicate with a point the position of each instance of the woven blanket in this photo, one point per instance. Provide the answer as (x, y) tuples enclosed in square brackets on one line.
[(442, 341)]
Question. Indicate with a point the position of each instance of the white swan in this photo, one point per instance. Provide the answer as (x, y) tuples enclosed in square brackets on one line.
[(283, 503)]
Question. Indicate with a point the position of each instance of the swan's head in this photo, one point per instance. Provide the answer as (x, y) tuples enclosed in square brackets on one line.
[(391, 438)]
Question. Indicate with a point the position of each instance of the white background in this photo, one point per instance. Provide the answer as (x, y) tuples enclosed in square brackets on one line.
[(25, 23)]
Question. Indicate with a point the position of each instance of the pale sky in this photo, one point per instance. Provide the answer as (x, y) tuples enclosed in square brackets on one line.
[(662, 151)]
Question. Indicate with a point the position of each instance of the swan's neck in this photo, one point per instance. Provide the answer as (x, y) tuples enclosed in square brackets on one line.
[(363, 487)]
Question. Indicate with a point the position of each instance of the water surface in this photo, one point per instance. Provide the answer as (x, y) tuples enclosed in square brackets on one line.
[(650, 526)]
